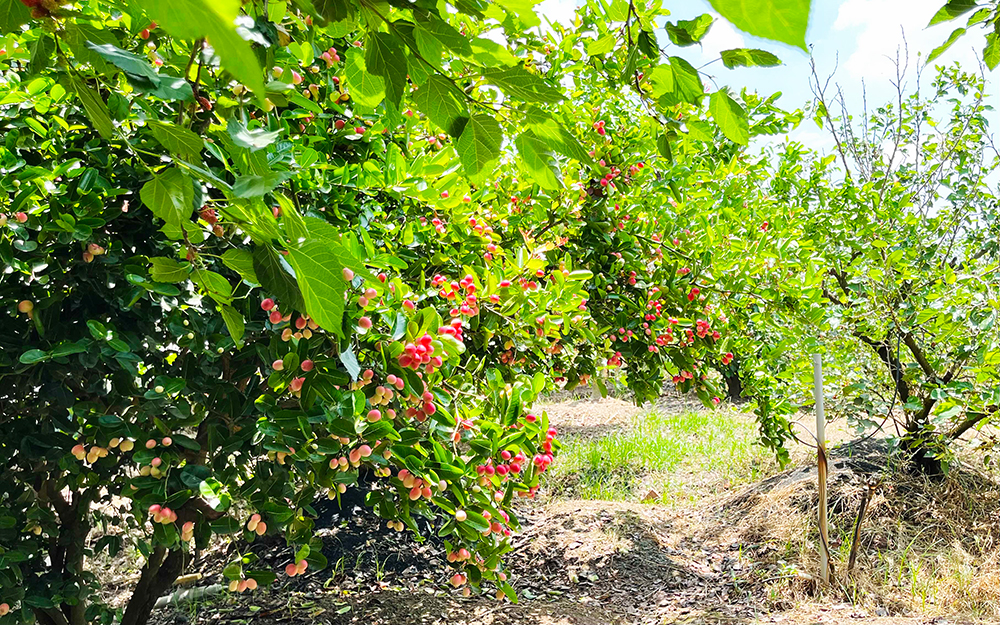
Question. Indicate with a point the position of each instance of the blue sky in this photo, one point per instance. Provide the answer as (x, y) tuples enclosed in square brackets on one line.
[(857, 37)]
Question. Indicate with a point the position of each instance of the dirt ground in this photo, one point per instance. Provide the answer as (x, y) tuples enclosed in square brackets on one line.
[(575, 562)]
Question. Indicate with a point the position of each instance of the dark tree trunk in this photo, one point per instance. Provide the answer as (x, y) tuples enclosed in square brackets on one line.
[(161, 570), (734, 385)]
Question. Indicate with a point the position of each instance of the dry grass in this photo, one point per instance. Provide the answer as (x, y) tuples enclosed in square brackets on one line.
[(926, 546)]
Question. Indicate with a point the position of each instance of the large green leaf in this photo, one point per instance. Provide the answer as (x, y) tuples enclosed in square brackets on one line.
[(519, 83), (748, 57), (991, 53), (124, 60), (241, 261), (276, 279), (661, 80), (730, 117), (169, 195), (178, 140), (13, 13), (689, 32), (687, 82), (479, 144), (214, 284), (951, 10), (216, 21), (141, 74), (443, 104), (319, 267), (781, 20), (164, 269), (557, 137), (367, 89), (384, 57), (429, 26), (79, 34), (334, 10), (94, 106), (539, 160), (234, 323), (257, 186), (941, 49)]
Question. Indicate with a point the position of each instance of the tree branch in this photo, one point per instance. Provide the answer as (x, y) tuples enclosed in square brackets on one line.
[(918, 355), (970, 421)]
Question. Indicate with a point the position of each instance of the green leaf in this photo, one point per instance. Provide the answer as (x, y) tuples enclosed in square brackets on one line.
[(216, 21), (367, 89), (94, 106), (276, 279), (781, 20), (519, 83), (235, 323), (214, 284), (169, 195), (558, 138), (169, 270), (13, 13), (334, 10), (539, 159), (226, 525), (32, 356), (991, 53), (663, 147), (443, 104), (941, 49), (509, 591), (951, 10), (687, 82), (429, 25), (252, 140), (41, 54), (78, 35), (350, 362), (384, 57), (126, 61), (258, 186), (689, 32), (241, 261), (177, 140), (602, 46), (661, 80), (730, 117), (479, 144), (749, 57), (319, 266)]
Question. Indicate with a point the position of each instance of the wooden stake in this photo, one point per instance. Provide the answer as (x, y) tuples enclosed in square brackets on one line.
[(824, 560)]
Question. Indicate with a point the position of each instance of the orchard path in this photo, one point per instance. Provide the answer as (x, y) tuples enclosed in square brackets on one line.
[(577, 562)]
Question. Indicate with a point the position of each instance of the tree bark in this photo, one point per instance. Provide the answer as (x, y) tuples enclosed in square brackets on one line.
[(734, 385), (161, 569)]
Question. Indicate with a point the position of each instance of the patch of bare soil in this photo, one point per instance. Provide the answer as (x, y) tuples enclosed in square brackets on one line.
[(584, 414)]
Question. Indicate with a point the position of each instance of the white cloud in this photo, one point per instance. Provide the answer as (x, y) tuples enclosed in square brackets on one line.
[(557, 11), (881, 26)]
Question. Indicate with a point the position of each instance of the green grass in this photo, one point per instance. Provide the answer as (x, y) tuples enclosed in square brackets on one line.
[(682, 457)]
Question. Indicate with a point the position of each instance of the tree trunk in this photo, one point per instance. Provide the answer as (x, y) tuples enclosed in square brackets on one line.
[(922, 444), (161, 570), (734, 385), (923, 458)]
